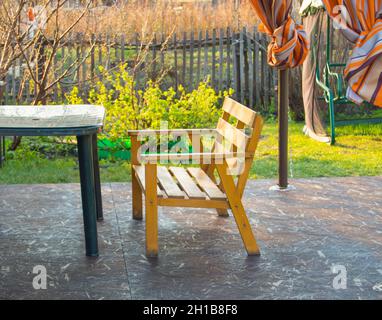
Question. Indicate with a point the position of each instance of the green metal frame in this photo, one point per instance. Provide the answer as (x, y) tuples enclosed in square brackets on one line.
[(2, 151), (338, 96), (89, 174)]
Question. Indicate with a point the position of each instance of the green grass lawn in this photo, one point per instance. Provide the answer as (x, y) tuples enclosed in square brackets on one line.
[(358, 152)]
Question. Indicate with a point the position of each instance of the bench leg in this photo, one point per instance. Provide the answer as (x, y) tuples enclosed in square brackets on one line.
[(151, 200), (137, 192), (85, 157), (243, 225), (238, 211), (97, 179), (222, 212), (137, 198), (210, 172)]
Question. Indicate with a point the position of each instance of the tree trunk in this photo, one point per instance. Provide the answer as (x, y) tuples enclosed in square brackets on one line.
[(15, 143), (1, 93), (3, 80)]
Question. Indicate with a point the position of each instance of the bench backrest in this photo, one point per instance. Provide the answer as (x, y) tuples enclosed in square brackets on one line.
[(242, 136)]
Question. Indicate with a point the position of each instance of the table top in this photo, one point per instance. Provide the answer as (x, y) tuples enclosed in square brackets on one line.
[(51, 117)]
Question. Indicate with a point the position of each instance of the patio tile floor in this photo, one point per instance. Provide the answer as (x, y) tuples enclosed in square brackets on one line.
[(301, 233)]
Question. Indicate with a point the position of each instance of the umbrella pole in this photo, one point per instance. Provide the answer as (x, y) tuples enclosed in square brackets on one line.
[(283, 106)]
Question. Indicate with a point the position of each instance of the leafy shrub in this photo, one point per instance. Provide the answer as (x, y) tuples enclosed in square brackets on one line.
[(73, 97), (129, 109)]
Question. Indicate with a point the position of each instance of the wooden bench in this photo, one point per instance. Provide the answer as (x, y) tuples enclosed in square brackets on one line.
[(175, 186), (82, 121)]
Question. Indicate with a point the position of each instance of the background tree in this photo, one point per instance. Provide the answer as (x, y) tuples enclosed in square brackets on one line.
[(33, 32)]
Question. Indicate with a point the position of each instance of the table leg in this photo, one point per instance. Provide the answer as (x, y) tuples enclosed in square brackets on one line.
[(1, 152), (97, 179), (85, 157)]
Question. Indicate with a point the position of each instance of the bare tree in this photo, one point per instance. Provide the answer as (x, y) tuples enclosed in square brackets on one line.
[(142, 64), (11, 26), (37, 44), (40, 63)]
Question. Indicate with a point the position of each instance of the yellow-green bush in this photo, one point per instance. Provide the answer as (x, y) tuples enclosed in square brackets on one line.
[(127, 108)]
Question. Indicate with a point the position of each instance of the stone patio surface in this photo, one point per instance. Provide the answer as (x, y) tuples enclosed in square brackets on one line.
[(302, 234)]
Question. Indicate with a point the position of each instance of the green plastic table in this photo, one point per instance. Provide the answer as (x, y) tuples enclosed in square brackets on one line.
[(84, 122)]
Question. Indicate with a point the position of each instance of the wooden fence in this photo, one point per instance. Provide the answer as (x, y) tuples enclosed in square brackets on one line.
[(227, 59)]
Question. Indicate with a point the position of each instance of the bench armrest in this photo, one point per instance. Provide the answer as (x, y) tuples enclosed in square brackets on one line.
[(203, 157), (170, 131)]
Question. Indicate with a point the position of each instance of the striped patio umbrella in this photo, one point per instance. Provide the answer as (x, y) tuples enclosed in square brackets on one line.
[(289, 45), (361, 23), (288, 49)]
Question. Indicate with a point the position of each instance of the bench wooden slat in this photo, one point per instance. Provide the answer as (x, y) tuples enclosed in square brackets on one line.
[(240, 112), (140, 173), (232, 135), (171, 132), (206, 183), (187, 183), (168, 184), (210, 156), (236, 166)]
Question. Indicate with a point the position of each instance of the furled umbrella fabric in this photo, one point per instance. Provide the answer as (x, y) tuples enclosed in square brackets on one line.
[(314, 124), (289, 45), (288, 48), (361, 23)]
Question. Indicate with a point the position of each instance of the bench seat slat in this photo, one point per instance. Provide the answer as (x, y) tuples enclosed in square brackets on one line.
[(187, 183), (205, 182), (140, 174), (168, 184)]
